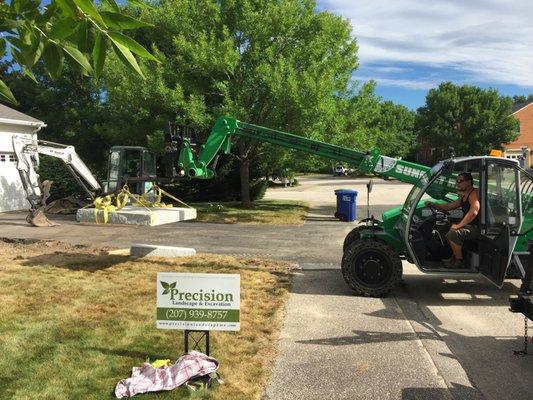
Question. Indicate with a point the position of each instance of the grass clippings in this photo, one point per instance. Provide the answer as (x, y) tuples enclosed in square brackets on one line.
[(75, 320), (272, 212)]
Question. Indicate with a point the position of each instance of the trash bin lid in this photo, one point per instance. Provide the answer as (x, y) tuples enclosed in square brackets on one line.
[(345, 191)]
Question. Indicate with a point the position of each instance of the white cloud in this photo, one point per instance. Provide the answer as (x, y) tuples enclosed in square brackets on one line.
[(416, 84), (391, 70), (489, 40)]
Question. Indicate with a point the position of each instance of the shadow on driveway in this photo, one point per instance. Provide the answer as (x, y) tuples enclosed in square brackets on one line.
[(476, 330), (76, 261), (455, 392)]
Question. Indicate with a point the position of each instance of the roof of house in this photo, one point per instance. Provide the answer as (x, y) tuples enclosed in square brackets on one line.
[(10, 116), (517, 107)]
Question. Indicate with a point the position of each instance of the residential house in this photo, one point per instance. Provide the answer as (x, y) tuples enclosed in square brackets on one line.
[(12, 122), (523, 145)]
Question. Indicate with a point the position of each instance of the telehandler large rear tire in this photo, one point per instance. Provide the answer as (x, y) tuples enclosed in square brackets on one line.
[(371, 268)]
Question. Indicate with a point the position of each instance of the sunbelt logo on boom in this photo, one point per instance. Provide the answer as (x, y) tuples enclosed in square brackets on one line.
[(200, 297)]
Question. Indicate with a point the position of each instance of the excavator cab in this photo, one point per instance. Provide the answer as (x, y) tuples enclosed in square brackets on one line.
[(504, 188), (133, 166)]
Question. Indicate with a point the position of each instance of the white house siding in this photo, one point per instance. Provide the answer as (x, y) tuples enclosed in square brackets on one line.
[(12, 195)]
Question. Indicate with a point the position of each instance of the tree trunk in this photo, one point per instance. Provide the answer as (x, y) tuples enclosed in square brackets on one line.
[(244, 171)]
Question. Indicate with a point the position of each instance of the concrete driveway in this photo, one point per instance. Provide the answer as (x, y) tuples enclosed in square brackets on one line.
[(436, 337)]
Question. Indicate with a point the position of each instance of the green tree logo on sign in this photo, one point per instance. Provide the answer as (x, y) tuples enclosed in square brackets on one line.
[(167, 286)]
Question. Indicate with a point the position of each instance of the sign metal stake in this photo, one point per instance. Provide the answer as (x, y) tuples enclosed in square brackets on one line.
[(197, 340)]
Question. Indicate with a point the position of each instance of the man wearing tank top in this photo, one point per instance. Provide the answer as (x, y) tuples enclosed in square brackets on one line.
[(468, 227)]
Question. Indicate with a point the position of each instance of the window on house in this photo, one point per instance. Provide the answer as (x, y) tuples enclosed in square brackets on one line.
[(7, 157)]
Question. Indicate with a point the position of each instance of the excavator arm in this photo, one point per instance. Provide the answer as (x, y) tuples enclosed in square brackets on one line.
[(27, 151)]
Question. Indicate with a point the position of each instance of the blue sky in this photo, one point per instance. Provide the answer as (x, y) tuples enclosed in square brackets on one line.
[(410, 46)]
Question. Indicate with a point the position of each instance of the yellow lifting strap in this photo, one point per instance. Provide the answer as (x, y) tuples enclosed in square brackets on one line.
[(122, 198), (104, 204), (162, 192)]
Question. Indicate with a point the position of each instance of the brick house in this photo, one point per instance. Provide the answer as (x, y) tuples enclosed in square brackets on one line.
[(523, 145)]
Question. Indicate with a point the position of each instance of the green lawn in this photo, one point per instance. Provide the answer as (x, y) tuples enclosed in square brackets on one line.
[(74, 321), (273, 212)]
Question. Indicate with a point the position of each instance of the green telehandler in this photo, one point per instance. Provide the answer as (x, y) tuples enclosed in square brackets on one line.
[(373, 251)]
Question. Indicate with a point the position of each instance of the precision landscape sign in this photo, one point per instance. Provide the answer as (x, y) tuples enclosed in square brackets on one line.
[(198, 301)]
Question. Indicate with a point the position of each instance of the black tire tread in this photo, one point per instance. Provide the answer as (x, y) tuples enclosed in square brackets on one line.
[(353, 249), (352, 235)]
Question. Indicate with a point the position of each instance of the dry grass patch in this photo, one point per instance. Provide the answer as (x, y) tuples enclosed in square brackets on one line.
[(75, 320), (272, 212)]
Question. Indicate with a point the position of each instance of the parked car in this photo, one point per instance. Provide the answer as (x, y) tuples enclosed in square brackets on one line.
[(340, 170)]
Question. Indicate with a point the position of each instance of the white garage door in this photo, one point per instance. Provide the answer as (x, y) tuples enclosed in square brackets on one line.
[(12, 195)]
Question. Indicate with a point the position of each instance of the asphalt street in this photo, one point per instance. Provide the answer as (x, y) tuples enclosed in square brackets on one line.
[(435, 337)]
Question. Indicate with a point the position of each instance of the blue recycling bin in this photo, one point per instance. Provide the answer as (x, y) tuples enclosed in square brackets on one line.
[(346, 201)]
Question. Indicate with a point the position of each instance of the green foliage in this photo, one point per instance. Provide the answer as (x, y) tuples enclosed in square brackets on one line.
[(522, 99), (68, 30), (64, 183), (396, 134), (71, 108), (470, 119), (277, 64), (258, 189), (363, 122), (156, 142)]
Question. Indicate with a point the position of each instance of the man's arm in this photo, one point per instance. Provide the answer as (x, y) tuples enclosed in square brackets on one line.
[(447, 206)]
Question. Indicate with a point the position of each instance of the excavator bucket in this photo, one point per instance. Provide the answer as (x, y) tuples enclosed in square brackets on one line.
[(38, 218)]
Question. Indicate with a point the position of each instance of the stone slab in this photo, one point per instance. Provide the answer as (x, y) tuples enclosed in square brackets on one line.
[(138, 216), (150, 250)]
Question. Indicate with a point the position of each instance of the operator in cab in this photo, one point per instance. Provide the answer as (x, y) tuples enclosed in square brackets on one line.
[(468, 227)]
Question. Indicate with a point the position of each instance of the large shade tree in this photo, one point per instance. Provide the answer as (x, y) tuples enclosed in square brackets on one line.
[(471, 119), (279, 64)]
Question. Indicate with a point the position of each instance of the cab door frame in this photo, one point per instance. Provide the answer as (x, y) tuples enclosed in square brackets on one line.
[(497, 239), (446, 166)]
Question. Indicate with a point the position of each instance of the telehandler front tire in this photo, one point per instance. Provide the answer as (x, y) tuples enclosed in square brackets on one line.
[(371, 268), (354, 235)]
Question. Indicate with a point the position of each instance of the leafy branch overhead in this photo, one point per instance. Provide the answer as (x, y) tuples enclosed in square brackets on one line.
[(72, 31)]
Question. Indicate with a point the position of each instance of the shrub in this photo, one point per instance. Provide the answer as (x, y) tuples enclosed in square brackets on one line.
[(258, 189), (64, 183)]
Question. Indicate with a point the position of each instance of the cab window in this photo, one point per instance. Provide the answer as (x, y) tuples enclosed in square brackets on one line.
[(502, 206), (445, 189)]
